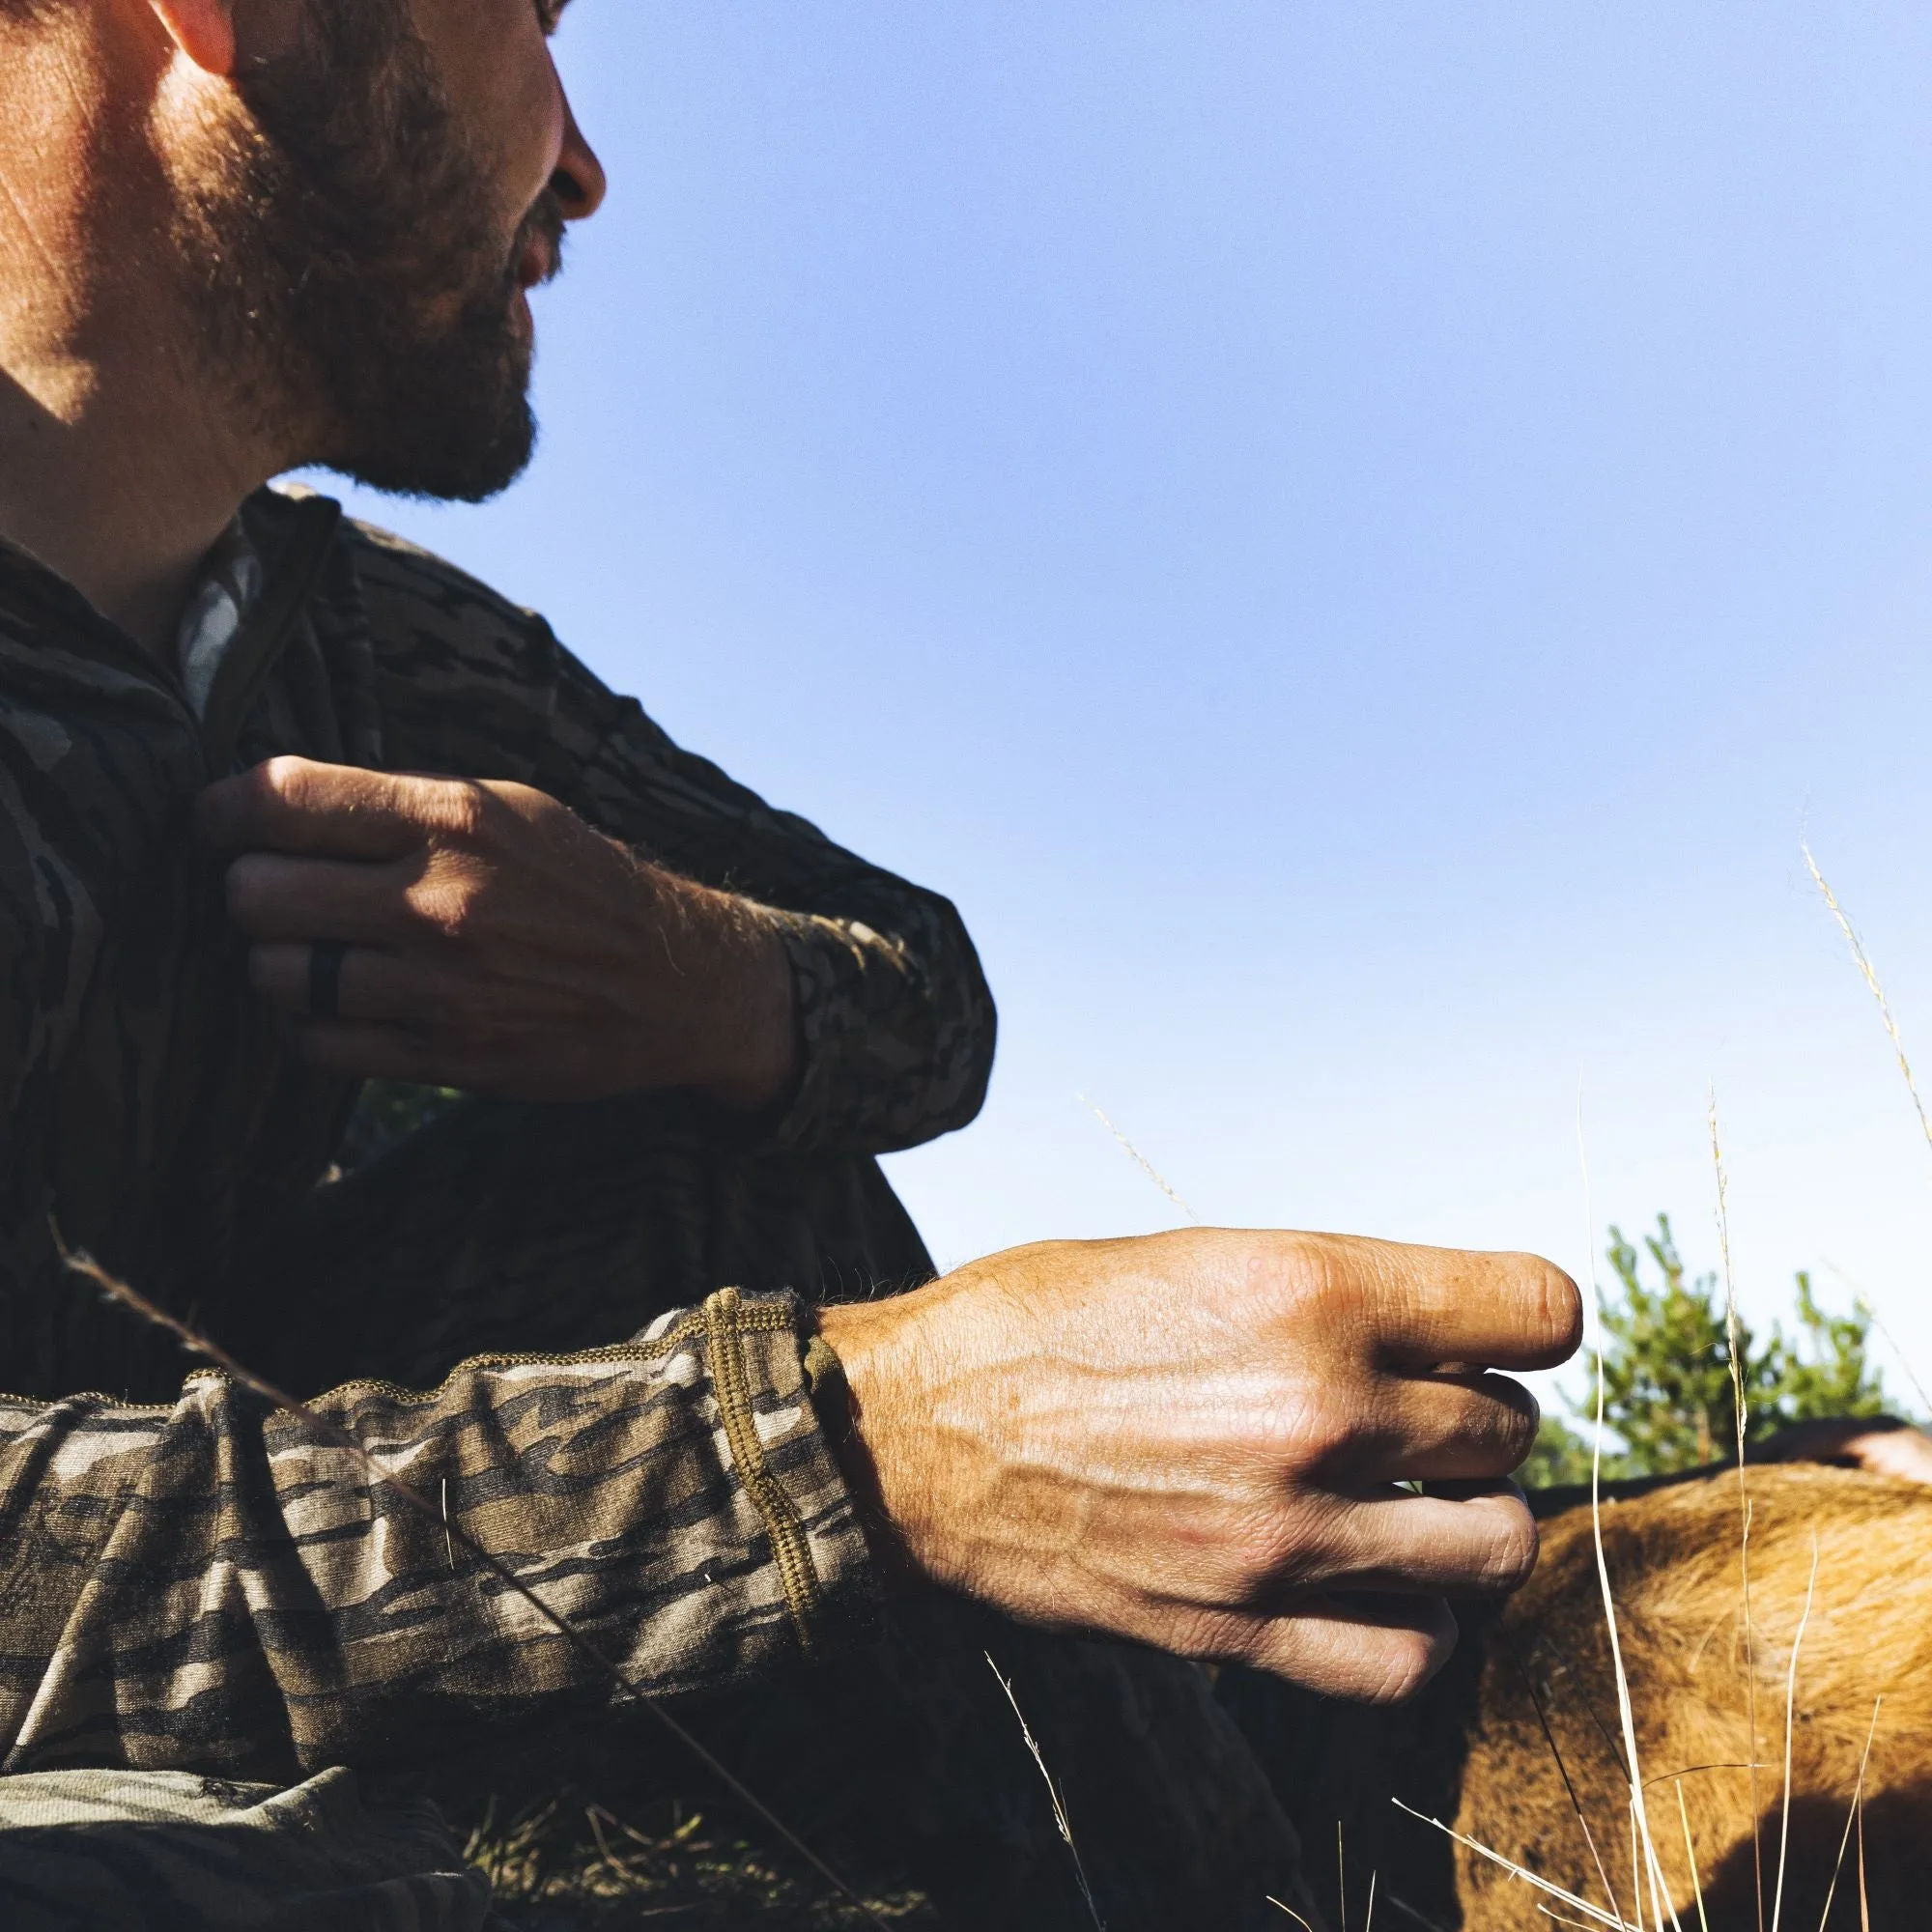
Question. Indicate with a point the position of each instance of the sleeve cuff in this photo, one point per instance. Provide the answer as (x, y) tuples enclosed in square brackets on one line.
[(779, 1443)]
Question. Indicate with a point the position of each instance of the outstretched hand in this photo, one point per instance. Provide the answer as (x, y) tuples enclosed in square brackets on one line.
[(1199, 1440), (480, 935)]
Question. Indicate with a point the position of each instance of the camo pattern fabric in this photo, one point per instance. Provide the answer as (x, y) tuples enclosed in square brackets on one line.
[(189, 1581), (219, 1586), (154, 1113), (116, 1851)]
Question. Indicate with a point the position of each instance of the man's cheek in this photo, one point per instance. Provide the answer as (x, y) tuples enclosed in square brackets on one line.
[(496, 70)]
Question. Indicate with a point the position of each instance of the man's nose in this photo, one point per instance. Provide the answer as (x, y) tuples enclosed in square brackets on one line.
[(580, 182)]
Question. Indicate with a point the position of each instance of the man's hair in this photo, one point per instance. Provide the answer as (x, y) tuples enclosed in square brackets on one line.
[(348, 275)]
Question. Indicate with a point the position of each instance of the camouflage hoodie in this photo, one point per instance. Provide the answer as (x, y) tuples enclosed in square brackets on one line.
[(186, 1580)]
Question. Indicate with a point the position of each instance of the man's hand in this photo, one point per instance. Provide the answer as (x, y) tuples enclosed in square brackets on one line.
[(1196, 1440), (494, 942)]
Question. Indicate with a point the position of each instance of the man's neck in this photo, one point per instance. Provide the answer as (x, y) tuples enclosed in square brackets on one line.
[(116, 497), (119, 465)]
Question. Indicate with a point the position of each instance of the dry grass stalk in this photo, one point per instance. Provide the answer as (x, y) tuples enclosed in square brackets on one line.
[(1409, 1913), (1140, 1160), (1871, 980), (130, 1298), (1646, 1871), (1593, 1915), (1060, 1817), (1640, 1838), (580, 1865), (1863, 1303), (1691, 1857), (1852, 1818), (1568, 1788), (1742, 1412), (1877, 1320), (1790, 1715), (1869, 974), (1865, 1902)]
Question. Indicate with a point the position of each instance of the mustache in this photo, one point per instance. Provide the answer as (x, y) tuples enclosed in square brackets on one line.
[(546, 223)]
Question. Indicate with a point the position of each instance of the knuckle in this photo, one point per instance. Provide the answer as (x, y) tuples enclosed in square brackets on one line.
[(286, 777), (458, 810), (1200, 1632), (1297, 1425), (1342, 1292), (1275, 1546), (448, 906), (1323, 1429), (1317, 1274), (1259, 1557)]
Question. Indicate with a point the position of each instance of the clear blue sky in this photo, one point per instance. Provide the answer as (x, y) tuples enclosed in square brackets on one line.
[(1354, 541)]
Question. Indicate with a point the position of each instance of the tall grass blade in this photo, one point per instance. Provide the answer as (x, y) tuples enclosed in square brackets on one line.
[(1569, 1789), (1741, 1410), (1864, 1901), (1060, 1818), (1636, 1869), (1140, 1160), (1877, 1320), (1645, 1870), (1592, 1913), (1871, 980), (1410, 1912), (1851, 1818), (1790, 1717), (1691, 1852)]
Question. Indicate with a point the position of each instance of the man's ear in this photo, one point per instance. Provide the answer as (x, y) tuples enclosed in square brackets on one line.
[(204, 30)]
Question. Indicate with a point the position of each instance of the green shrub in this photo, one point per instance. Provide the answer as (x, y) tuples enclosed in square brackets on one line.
[(1668, 1399)]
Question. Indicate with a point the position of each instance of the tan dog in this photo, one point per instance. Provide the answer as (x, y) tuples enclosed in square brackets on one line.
[(1531, 1699)]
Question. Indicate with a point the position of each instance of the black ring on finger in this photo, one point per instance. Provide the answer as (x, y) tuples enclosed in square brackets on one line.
[(324, 979)]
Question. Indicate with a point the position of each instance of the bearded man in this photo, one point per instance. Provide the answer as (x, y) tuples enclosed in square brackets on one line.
[(288, 805)]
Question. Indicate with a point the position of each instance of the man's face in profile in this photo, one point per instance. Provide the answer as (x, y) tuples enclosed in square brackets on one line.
[(364, 247)]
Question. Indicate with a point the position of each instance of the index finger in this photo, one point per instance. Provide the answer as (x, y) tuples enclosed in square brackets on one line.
[(1443, 1307), (299, 806)]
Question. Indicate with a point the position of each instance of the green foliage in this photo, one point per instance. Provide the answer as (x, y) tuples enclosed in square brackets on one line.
[(1560, 1458), (1838, 1380), (1668, 1395)]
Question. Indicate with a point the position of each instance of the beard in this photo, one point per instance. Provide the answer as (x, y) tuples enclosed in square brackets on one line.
[(349, 282)]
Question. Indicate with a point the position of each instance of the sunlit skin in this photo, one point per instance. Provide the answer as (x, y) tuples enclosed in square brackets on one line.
[(1196, 1440), (115, 472), (118, 468)]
